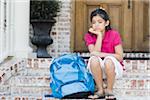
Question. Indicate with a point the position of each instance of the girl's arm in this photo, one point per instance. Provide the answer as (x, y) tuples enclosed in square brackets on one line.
[(98, 43), (118, 53)]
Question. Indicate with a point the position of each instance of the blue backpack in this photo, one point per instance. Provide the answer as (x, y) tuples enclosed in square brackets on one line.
[(69, 75)]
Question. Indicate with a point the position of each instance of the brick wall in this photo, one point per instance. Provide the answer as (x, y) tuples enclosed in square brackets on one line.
[(60, 31)]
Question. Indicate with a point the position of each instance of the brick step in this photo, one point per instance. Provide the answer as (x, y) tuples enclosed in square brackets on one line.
[(30, 92), (129, 83), (18, 97), (123, 83), (5, 90), (34, 91), (128, 55), (40, 91), (41, 67), (130, 65), (45, 72), (133, 97), (29, 78), (37, 81), (42, 72), (130, 86), (132, 92)]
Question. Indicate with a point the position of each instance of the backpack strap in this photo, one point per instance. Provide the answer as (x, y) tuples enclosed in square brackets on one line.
[(81, 66)]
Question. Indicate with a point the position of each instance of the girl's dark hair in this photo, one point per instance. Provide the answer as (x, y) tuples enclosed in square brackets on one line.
[(103, 14)]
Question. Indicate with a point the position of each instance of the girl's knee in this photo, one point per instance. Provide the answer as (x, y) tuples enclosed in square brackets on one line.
[(94, 61), (109, 63)]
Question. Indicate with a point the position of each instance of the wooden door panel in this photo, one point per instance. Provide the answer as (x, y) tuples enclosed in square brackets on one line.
[(100, 2), (127, 29), (79, 26), (146, 27), (141, 27), (115, 13)]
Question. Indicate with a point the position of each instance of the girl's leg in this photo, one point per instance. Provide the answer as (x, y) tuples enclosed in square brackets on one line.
[(110, 74), (97, 73)]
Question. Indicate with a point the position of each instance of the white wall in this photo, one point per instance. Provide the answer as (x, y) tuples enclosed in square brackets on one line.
[(4, 29)]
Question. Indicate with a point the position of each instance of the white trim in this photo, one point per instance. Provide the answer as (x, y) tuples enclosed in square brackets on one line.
[(7, 29), (11, 27), (15, 40), (3, 35), (6, 35), (21, 28), (1, 31)]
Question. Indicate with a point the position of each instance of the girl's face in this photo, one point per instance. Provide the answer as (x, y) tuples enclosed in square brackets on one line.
[(99, 24)]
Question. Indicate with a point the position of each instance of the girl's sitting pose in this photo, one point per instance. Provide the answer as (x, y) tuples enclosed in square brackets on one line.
[(105, 47)]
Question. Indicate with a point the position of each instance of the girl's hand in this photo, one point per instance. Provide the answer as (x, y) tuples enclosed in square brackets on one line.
[(95, 32), (99, 54), (95, 53)]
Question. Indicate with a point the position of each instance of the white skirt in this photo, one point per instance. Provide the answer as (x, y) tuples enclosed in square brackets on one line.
[(118, 66)]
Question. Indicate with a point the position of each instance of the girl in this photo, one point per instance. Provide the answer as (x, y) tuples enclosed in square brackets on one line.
[(105, 47)]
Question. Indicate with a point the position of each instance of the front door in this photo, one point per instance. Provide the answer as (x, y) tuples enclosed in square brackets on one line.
[(124, 17)]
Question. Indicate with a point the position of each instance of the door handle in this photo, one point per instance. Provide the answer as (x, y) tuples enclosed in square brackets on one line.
[(129, 4)]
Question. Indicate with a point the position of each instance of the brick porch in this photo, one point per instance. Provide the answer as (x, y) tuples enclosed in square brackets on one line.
[(26, 79)]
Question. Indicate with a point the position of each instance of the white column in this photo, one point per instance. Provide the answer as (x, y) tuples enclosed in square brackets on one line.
[(21, 28), (1, 29), (10, 14)]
